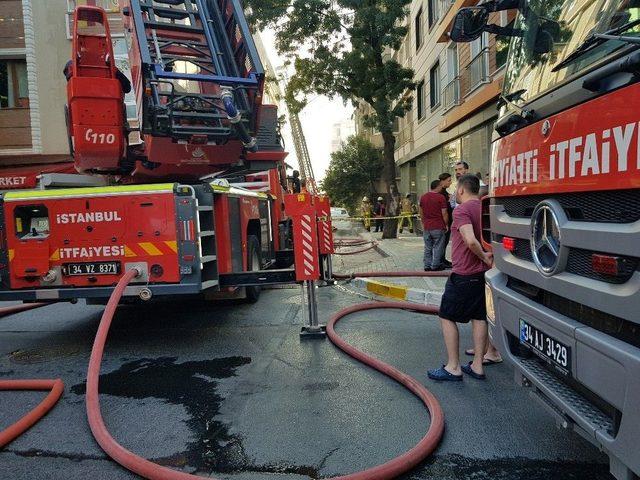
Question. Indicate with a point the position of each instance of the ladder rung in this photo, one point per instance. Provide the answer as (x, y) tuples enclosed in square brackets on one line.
[(173, 26), (170, 13), (175, 3), (207, 233), (209, 258), (205, 208)]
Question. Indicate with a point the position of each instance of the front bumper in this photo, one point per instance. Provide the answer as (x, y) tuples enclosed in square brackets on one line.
[(67, 294), (605, 366)]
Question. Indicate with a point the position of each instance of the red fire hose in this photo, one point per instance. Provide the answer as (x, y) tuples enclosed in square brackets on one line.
[(56, 388), (152, 471), (431, 439), (353, 252), (347, 276)]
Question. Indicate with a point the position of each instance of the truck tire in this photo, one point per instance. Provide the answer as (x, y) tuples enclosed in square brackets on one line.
[(253, 264)]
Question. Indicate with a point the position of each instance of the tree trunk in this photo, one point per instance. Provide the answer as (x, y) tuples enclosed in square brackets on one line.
[(389, 178)]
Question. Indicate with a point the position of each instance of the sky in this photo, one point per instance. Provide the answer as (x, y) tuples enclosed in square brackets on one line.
[(317, 119)]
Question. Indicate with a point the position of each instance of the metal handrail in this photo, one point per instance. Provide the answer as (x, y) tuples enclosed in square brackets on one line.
[(451, 94), (477, 69)]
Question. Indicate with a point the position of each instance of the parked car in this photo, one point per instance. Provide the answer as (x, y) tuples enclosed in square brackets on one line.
[(340, 218)]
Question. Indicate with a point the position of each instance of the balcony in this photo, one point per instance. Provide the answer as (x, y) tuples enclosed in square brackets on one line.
[(451, 94), (477, 71)]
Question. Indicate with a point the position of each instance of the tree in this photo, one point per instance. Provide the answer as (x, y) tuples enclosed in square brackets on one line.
[(352, 172), (340, 48)]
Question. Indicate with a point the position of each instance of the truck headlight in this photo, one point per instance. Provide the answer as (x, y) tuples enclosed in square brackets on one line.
[(491, 311)]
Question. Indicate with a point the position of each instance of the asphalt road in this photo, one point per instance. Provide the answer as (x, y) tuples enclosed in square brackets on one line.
[(231, 391)]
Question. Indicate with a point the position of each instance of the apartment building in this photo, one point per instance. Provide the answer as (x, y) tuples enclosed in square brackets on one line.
[(454, 107), (34, 48)]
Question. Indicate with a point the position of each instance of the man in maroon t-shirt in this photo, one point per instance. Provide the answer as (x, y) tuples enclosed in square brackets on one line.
[(463, 299), (435, 223)]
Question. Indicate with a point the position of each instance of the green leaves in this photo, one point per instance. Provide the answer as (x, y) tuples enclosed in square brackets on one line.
[(341, 47), (352, 172)]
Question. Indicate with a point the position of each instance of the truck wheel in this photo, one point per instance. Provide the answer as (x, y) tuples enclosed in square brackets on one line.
[(253, 265)]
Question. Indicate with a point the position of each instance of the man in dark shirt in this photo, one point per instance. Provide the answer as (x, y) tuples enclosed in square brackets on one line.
[(464, 300), (445, 183), (435, 223), (295, 182)]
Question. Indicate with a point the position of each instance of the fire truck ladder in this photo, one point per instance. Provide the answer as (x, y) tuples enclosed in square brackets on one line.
[(302, 152), (191, 52)]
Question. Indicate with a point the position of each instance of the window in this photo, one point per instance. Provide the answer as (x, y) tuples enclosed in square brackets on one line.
[(434, 81), (452, 61), (418, 29), (432, 12), (14, 90), (421, 101)]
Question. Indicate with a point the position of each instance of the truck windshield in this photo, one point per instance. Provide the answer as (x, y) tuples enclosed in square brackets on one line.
[(551, 30)]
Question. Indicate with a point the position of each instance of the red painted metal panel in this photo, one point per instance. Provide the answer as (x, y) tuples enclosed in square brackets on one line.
[(123, 228), (305, 235), (325, 230), (591, 147)]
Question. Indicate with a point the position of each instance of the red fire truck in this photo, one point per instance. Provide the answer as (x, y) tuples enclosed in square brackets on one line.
[(190, 193), (563, 217)]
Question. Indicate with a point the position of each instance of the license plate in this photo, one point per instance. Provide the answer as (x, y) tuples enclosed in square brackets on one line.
[(545, 346), (92, 268)]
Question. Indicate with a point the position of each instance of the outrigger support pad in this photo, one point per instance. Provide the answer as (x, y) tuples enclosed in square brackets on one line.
[(313, 329)]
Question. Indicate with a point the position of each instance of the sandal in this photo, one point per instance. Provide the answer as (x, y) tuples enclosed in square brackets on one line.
[(469, 371), (442, 374)]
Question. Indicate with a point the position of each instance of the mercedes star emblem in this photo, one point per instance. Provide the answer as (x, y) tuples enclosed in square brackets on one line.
[(546, 247)]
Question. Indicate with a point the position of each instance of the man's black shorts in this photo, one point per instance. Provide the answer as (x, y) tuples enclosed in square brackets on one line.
[(463, 298)]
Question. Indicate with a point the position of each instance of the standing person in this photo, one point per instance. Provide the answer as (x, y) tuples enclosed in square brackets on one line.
[(380, 211), (463, 300), (435, 221), (406, 213), (366, 210), (445, 183), (295, 182)]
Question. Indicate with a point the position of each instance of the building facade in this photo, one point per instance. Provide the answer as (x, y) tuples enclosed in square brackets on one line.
[(454, 108), (34, 48)]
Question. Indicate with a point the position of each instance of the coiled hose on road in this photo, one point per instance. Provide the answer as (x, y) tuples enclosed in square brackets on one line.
[(354, 242), (152, 471), (55, 388)]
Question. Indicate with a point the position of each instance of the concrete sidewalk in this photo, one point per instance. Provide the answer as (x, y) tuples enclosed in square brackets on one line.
[(399, 254)]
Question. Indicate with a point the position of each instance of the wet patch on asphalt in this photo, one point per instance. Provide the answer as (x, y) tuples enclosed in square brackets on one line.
[(458, 467), (190, 384)]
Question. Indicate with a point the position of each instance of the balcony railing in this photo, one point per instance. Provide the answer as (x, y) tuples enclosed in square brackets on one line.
[(477, 71), (451, 94)]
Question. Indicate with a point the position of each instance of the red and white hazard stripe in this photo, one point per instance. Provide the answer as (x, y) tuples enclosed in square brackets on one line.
[(187, 230), (307, 245)]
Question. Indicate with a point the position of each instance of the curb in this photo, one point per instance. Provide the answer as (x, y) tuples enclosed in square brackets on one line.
[(398, 292)]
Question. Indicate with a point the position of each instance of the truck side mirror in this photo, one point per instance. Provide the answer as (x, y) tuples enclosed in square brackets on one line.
[(469, 23)]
